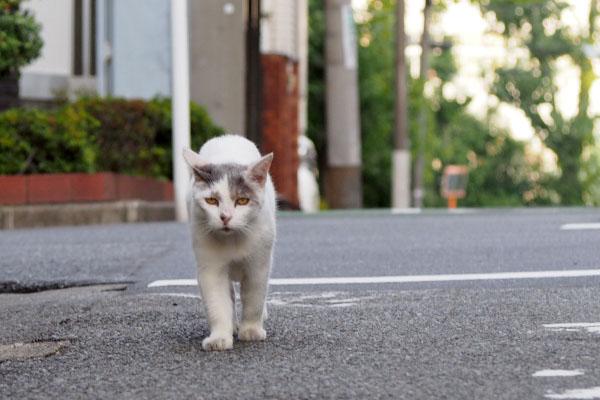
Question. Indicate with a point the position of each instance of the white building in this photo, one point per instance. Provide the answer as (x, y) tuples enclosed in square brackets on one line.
[(122, 48)]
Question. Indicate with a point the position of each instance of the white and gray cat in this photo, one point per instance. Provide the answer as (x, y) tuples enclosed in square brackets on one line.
[(231, 206)]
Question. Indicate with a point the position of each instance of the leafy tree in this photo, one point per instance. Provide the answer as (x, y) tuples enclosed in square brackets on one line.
[(501, 172), (530, 83), (376, 59), (316, 128), (20, 41)]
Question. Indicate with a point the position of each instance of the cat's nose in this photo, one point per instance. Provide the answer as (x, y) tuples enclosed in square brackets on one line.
[(225, 218)]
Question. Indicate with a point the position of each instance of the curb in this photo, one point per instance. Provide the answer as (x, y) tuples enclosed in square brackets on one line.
[(34, 216)]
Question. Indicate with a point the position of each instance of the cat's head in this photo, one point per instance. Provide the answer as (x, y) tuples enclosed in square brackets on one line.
[(228, 196)]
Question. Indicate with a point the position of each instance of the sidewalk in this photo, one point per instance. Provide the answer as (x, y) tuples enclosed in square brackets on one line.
[(32, 216)]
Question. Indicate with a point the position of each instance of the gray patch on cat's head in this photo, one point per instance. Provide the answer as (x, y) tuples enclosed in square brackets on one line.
[(239, 184), (209, 174)]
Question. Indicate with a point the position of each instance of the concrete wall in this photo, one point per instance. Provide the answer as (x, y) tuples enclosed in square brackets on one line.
[(137, 36), (217, 60), (51, 73)]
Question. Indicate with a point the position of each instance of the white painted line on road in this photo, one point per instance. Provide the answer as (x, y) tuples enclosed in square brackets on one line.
[(405, 278), (403, 211), (591, 393), (317, 299), (555, 373), (186, 295), (174, 282), (576, 227), (414, 210), (437, 278), (592, 327)]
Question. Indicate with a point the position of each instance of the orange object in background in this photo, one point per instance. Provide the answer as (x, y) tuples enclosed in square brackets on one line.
[(454, 183)]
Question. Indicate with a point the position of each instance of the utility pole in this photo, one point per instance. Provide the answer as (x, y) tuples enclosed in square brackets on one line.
[(253, 75), (418, 192), (344, 188), (401, 154), (180, 104)]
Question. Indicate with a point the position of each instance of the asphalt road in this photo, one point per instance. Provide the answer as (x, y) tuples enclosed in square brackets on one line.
[(443, 335)]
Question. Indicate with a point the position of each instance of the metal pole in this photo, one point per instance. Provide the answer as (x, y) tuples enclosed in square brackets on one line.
[(180, 104), (86, 34), (401, 155), (100, 48)]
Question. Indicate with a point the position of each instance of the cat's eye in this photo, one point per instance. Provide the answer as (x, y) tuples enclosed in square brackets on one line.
[(212, 201), (242, 201)]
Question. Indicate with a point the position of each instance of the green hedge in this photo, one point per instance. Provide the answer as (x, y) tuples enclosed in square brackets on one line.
[(96, 134)]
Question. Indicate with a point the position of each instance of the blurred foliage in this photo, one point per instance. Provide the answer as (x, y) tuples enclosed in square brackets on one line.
[(96, 134), (20, 41), (124, 135), (530, 84), (202, 129), (376, 90), (316, 125), (501, 173), (37, 141)]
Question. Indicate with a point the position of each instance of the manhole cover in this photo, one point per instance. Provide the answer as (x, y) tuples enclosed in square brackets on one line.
[(23, 351)]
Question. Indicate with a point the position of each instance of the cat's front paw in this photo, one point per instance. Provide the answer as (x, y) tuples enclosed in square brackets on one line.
[(217, 342), (252, 333)]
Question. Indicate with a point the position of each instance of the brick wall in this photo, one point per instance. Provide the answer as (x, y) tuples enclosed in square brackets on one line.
[(81, 188), (280, 123)]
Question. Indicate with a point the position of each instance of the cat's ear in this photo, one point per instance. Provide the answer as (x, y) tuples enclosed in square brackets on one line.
[(196, 163), (258, 170), (192, 158)]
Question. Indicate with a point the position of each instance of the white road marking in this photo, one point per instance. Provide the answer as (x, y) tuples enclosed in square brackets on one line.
[(592, 327), (405, 278), (174, 282), (403, 211), (575, 227), (551, 373), (326, 299), (591, 393), (187, 295), (436, 278)]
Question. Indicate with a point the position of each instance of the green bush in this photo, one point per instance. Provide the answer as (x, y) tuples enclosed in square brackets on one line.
[(20, 41), (96, 134), (201, 129), (34, 141), (124, 136)]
